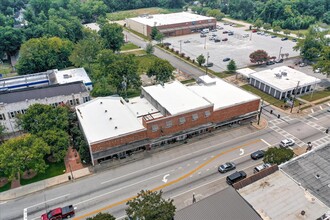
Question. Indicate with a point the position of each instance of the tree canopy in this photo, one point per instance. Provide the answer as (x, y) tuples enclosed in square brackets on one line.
[(113, 36), (200, 59), (150, 205), (102, 216), (277, 156), (161, 70), (231, 67), (11, 39), (23, 153), (42, 54), (259, 56)]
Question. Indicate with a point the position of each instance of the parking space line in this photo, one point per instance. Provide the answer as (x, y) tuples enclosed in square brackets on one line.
[(321, 107), (312, 110)]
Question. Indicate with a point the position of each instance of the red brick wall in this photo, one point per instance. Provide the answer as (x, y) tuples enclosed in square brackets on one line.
[(234, 111), (119, 141), (176, 126)]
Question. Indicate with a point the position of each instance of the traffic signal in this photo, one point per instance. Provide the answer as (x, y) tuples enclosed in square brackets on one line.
[(327, 131)]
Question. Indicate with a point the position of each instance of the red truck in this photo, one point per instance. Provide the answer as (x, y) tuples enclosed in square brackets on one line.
[(59, 213)]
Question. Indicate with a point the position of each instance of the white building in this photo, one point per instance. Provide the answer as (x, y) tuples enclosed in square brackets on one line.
[(282, 82), (17, 101)]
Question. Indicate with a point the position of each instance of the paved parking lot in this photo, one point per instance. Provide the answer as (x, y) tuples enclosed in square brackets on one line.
[(236, 48)]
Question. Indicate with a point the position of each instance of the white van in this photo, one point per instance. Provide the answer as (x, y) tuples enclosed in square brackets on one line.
[(206, 30)]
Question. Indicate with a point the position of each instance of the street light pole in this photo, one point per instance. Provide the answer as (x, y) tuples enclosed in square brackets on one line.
[(294, 97), (279, 54), (259, 115), (207, 61)]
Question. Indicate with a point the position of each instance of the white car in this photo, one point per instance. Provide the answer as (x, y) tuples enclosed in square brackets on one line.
[(287, 143)]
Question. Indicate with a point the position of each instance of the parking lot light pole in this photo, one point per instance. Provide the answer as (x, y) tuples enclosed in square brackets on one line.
[(207, 61), (279, 54), (180, 46)]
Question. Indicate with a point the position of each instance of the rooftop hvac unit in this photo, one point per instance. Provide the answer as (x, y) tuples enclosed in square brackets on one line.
[(284, 73), (66, 76)]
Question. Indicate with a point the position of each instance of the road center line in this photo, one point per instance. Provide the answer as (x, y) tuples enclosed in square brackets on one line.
[(123, 188), (187, 175)]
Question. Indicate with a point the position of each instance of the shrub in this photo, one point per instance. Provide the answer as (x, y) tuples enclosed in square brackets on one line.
[(177, 52), (182, 54), (188, 58), (172, 50)]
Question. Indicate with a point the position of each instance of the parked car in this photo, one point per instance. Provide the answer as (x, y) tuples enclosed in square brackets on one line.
[(214, 30), (294, 40), (279, 61), (226, 167), (328, 110), (208, 65), (225, 32), (235, 177), (226, 59), (211, 38), (302, 64), (259, 32), (220, 28), (258, 154), (266, 34), (167, 44), (270, 62), (230, 33), (224, 39), (203, 35), (273, 36), (217, 40), (186, 41), (284, 38), (261, 167), (254, 31), (245, 35), (291, 67), (287, 143), (318, 70)]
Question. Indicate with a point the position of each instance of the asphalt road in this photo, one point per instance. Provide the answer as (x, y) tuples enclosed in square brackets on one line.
[(176, 63), (189, 168)]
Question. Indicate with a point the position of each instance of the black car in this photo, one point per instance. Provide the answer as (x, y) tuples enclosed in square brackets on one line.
[(258, 154), (294, 40), (203, 35), (226, 167), (230, 33), (217, 40), (284, 38), (235, 177), (208, 65), (226, 59), (279, 61), (270, 62), (167, 44)]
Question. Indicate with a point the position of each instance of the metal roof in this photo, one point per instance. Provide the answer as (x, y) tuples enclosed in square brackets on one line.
[(41, 92), (224, 205), (312, 171)]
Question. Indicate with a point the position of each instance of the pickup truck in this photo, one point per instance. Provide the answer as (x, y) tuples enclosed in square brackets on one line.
[(59, 213)]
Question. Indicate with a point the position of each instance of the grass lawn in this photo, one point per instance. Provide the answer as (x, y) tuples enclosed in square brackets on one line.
[(5, 69), (54, 169), (121, 15), (316, 95), (145, 62), (129, 46), (137, 52), (267, 98), (138, 34), (188, 81)]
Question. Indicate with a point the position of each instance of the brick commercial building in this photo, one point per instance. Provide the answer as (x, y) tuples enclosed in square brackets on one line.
[(163, 114), (174, 24)]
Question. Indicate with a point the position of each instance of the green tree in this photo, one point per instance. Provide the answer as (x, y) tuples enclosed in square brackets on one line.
[(154, 32), (258, 23), (85, 52), (11, 40), (277, 29), (58, 141), (216, 13), (277, 156), (113, 36), (102, 216), (231, 67), (323, 62), (150, 205), (39, 118), (259, 56), (23, 153), (267, 26), (2, 132), (161, 69), (159, 37), (287, 32), (150, 48), (42, 54), (200, 59)]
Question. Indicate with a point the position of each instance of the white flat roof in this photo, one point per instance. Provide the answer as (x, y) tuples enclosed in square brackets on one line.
[(72, 75), (278, 197), (246, 72), (176, 98), (223, 94), (100, 117), (141, 106), (166, 19), (287, 81), (93, 26)]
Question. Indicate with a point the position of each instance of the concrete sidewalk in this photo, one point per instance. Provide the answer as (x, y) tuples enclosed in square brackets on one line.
[(41, 185)]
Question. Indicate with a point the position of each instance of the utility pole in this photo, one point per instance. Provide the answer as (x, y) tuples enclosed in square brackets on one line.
[(205, 43), (279, 54), (207, 61), (180, 46), (259, 115), (294, 97)]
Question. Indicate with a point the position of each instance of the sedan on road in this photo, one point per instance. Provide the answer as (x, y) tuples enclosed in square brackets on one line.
[(226, 167), (226, 59), (258, 154)]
